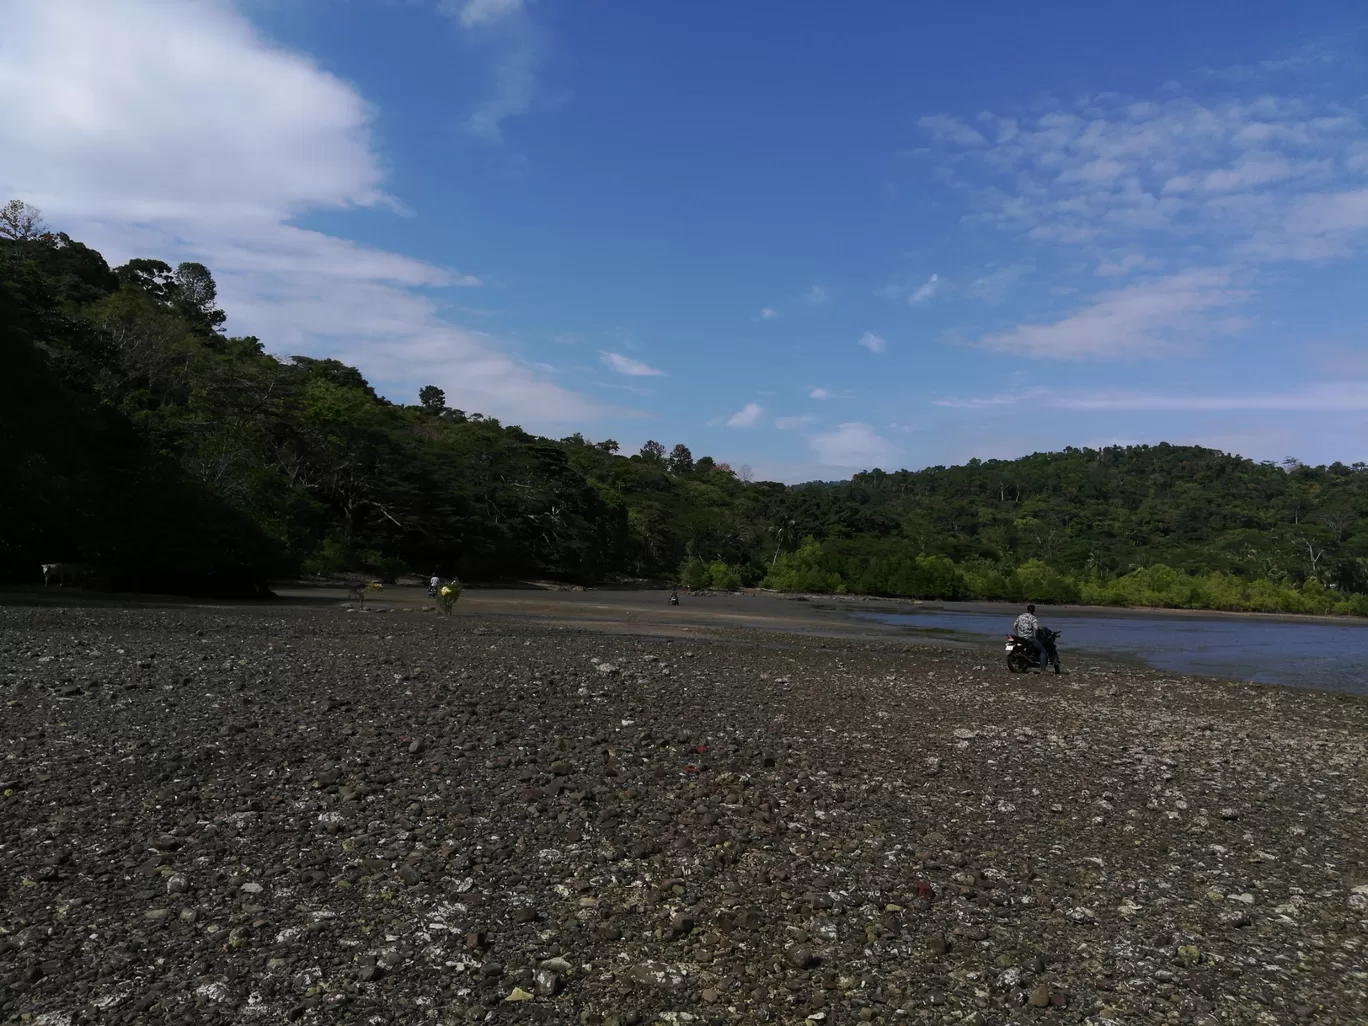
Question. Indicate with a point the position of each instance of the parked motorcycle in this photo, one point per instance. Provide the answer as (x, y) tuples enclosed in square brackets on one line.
[(1021, 654)]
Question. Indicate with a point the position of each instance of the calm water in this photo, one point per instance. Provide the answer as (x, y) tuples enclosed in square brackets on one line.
[(1309, 655)]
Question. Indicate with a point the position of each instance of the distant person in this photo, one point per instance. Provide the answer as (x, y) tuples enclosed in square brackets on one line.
[(674, 598), (1025, 626), (434, 585)]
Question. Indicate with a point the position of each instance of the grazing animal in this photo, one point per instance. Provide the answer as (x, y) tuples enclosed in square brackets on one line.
[(63, 574)]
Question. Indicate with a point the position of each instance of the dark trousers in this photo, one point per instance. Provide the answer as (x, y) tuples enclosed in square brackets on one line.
[(1043, 652)]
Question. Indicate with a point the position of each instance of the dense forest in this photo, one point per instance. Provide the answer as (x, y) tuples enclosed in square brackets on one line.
[(136, 436)]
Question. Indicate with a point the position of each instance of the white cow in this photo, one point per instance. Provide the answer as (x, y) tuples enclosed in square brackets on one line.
[(63, 574)]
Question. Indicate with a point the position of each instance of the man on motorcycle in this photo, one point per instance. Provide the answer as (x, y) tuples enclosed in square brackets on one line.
[(1025, 626)]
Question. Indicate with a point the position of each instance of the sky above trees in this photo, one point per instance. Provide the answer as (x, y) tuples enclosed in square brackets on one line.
[(805, 238)]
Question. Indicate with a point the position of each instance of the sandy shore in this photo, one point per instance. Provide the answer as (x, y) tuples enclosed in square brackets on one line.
[(297, 813)]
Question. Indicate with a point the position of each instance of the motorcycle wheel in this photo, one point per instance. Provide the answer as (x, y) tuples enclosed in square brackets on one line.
[(1017, 663)]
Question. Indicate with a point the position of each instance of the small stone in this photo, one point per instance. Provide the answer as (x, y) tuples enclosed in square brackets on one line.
[(519, 995), (409, 875), (800, 957), (177, 883), (156, 913), (681, 926), (1039, 996), (415, 747), (556, 965), (937, 944), (251, 888), (548, 983)]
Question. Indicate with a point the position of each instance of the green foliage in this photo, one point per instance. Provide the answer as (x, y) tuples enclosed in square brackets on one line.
[(432, 399), (802, 570), (447, 595), (136, 436), (1037, 581), (694, 574), (723, 577)]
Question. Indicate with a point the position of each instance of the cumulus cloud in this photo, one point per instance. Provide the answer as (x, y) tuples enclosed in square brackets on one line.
[(633, 368), (1143, 320), (872, 342), (748, 416), (852, 445), (173, 130)]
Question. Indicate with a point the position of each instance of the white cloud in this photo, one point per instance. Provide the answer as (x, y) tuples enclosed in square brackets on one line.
[(953, 130), (1242, 174), (872, 342), (768, 313), (821, 393), (748, 416), (517, 46), (995, 285), (1143, 320), (817, 295), (485, 12), (1322, 398), (626, 365), (924, 291), (173, 130), (1319, 227), (789, 423), (1121, 266), (853, 445)]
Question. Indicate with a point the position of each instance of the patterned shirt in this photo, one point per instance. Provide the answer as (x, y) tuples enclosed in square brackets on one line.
[(1025, 626)]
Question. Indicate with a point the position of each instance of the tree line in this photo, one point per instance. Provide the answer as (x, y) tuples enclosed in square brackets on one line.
[(137, 436)]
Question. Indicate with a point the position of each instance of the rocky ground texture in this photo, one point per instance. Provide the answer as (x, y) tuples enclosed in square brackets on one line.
[(275, 815)]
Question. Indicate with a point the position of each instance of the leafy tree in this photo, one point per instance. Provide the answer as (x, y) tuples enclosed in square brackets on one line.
[(432, 399), (21, 225), (653, 452), (694, 574), (681, 461), (723, 577)]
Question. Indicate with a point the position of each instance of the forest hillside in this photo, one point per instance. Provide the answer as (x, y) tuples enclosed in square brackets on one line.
[(137, 436)]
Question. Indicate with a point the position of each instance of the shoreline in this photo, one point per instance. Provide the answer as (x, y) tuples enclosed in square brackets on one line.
[(292, 591)]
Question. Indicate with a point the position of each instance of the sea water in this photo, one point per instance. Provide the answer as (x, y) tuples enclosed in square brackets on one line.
[(1327, 656)]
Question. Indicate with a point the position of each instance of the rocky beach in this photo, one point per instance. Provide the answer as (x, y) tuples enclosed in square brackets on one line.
[(277, 814)]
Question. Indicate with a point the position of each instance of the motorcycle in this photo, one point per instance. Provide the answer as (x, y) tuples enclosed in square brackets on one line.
[(1021, 654)]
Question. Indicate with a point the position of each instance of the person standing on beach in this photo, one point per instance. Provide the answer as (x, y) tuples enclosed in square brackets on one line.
[(1025, 626)]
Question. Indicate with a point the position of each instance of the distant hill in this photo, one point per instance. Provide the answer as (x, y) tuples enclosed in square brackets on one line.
[(136, 436)]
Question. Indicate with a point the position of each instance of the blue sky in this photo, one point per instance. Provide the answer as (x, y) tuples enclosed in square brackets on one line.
[(802, 238)]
